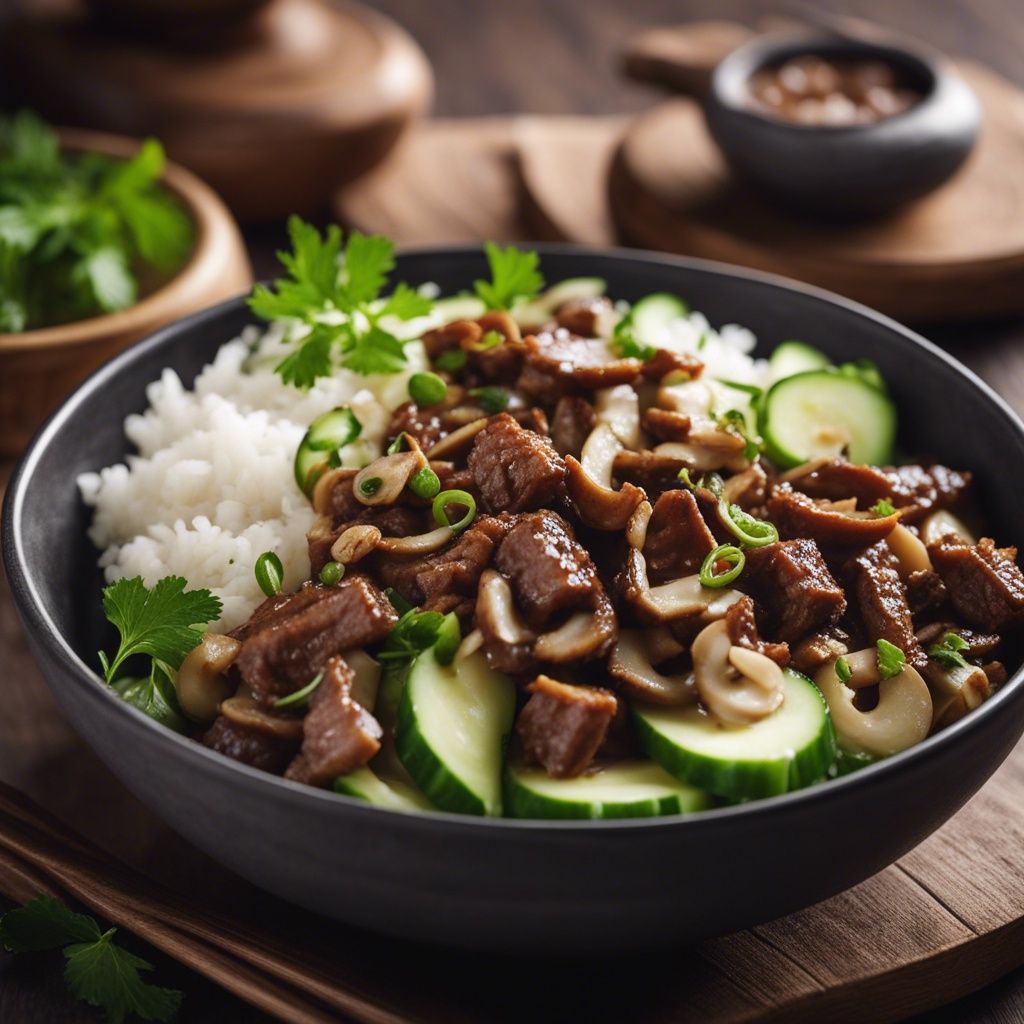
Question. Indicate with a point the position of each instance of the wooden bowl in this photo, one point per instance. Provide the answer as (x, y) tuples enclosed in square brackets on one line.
[(40, 367), (846, 171)]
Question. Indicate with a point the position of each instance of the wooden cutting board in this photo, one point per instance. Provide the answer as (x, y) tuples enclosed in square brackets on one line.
[(944, 921)]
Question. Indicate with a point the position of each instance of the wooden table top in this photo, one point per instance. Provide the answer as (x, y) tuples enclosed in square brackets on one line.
[(553, 56)]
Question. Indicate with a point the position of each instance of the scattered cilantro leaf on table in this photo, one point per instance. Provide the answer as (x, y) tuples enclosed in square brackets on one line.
[(514, 275), (97, 971), (333, 292)]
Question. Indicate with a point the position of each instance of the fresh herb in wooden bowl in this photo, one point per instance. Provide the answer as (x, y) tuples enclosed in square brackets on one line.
[(81, 234)]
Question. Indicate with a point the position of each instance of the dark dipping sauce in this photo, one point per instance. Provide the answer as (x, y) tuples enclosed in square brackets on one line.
[(832, 92)]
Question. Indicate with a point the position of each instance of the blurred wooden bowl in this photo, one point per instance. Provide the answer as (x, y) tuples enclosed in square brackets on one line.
[(39, 367)]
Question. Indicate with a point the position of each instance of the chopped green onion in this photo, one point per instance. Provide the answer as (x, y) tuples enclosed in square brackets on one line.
[(947, 653), (269, 573), (331, 574), (843, 670), (727, 553), (300, 696), (705, 482), (425, 484), (446, 498), (750, 532), (398, 602), (882, 508), (751, 389), (491, 399), (891, 659), (427, 389), (491, 339), (371, 486), (738, 422), (450, 361), (625, 343)]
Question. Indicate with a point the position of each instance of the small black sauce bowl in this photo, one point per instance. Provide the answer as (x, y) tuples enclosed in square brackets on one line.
[(850, 171)]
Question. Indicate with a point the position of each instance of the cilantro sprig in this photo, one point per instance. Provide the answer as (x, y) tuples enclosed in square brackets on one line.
[(77, 230), (515, 275), (97, 970), (333, 291)]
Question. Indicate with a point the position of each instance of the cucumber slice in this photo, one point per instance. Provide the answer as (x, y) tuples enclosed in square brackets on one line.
[(823, 412), (652, 314), (535, 313), (367, 785), (626, 789), (458, 307), (319, 449), (789, 749), (793, 357), (848, 761), (453, 723)]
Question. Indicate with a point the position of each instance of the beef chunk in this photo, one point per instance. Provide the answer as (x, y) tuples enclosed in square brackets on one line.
[(882, 602), (551, 574), (652, 471), (749, 488), (571, 425), (587, 363), (515, 469), (290, 646), (984, 582), (457, 334), (391, 520), (925, 591), (447, 580), (817, 649), (792, 583), (423, 424), (253, 747), (678, 539), (743, 632), (667, 425), (338, 734), (797, 515), (562, 727), (274, 610), (665, 361), (583, 316), (333, 495)]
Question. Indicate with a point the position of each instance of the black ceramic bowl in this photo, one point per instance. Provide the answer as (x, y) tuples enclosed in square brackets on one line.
[(843, 172), (503, 884)]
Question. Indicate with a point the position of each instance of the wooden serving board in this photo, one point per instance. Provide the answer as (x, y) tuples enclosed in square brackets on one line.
[(944, 921), (956, 253)]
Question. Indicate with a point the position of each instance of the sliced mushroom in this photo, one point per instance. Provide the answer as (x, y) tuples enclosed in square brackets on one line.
[(323, 490), (692, 398), (419, 544), (709, 448), (392, 472), (619, 408), (737, 685), (631, 664), (747, 489), (458, 442), (496, 611), (589, 483), (909, 550), (956, 689), (583, 635), (940, 523), (355, 543), (365, 678), (471, 643), (902, 717), (200, 684), (243, 710), (797, 515)]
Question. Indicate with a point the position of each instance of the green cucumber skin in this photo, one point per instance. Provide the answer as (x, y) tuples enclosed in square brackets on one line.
[(739, 780)]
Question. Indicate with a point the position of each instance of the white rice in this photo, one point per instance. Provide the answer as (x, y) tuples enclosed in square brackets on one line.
[(212, 486)]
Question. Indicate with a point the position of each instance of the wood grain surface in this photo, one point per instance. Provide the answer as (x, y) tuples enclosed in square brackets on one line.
[(478, 53)]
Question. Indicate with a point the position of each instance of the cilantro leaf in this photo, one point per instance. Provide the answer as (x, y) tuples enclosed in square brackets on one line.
[(311, 359), (626, 345), (737, 422), (418, 631), (154, 696), (44, 923), (105, 975), (377, 351), (947, 653), (882, 508), (368, 261), (159, 622), (97, 970), (514, 275), (890, 659), (405, 303), (107, 274)]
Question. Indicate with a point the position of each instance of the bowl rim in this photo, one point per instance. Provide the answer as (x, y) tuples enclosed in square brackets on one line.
[(35, 618), (211, 219), (731, 75)]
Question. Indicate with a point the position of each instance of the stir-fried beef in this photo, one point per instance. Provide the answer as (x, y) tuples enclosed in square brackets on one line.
[(516, 470), (583, 316), (650, 470), (984, 582), (922, 489), (550, 572), (423, 424), (391, 520), (250, 746), (790, 580), (453, 572), (925, 591), (748, 489), (562, 727), (333, 495), (338, 734), (571, 425), (882, 602), (457, 334), (797, 515), (274, 610), (288, 648), (587, 363), (678, 539), (665, 362), (742, 626), (818, 649)]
